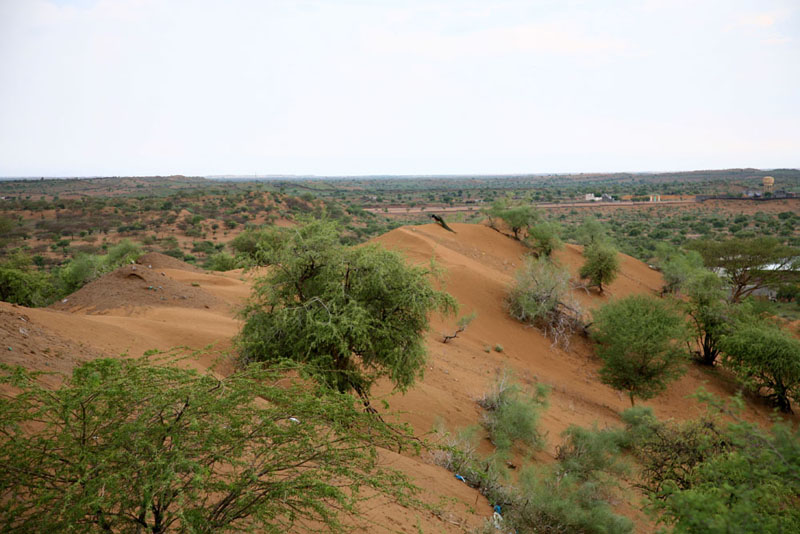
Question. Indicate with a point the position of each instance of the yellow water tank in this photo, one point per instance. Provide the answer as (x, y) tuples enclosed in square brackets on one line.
[(769, 184)]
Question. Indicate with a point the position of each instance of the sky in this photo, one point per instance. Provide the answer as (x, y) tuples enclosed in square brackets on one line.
[(354, 87)]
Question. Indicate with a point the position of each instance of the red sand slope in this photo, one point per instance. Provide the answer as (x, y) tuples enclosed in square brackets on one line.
[(120, 314)]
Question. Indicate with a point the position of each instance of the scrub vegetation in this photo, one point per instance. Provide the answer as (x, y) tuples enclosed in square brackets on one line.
[(290, 437)]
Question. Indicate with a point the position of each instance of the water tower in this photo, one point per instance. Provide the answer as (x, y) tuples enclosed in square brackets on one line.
[(769, 184)]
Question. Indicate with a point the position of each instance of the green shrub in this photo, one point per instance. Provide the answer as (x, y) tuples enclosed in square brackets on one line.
[(541, 297), (221, 262), (640, 340), (512, 414), (175, 253), (589, 453), (545, 237), (128, 446), (26, 288), (125, 251), (81, 270), (765, 356), (718, 474), (351, 314), (86, 267), (601, 265), (551, 501)]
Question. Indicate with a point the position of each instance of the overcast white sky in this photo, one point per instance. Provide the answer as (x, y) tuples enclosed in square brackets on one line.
[(332, 87)]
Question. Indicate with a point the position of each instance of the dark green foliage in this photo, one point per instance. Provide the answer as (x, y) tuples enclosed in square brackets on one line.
[(221, 262), (591, 232), (127, 446), (708, 313), (764, 355), (544, 237), (590, 454), (6, 225), (81, 270), (353, 314), (250, 241), (518, 218), (21, 283), (668, 453), (87, 267), (715, 477), (601, 265), (640, 340), (676, 266), (745, 262), (26, 287), (789, 292)]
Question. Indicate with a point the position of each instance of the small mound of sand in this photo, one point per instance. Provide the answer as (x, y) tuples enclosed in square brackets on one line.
[(35, 347), (134, 286), (162, 261)]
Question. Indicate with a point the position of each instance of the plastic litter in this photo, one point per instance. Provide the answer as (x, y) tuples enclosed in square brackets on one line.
[(497, 519)]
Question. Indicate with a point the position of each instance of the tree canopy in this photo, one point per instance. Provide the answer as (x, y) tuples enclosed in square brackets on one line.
[(749, 264), (640, 341), (677, 266), (708, 312), (544, 236), (713, 476), (351, 314), (592, 232), (518, 218), (128, 446), (601, 265), (764, 355)]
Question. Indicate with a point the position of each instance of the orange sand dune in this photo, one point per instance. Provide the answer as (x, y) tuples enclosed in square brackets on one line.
[(480, 264), (121, 313)]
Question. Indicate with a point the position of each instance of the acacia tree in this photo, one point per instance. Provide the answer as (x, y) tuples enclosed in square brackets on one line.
[(518, 218), (544, 236), (591, 232), (765, 356), (601, 265), (749, 264), (717, 476), (127, 446), (677, 267), (639, 339), (708, 313), (350, 314)]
